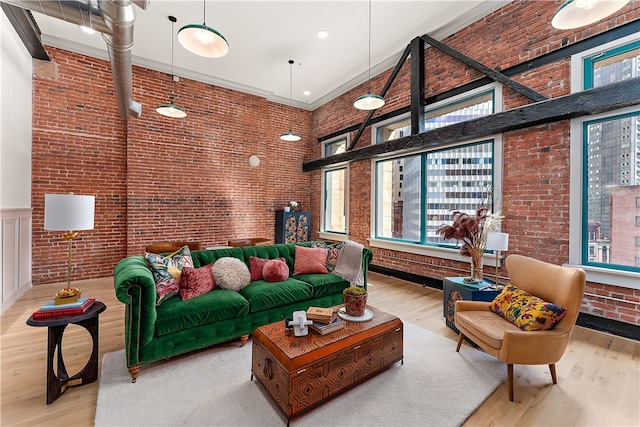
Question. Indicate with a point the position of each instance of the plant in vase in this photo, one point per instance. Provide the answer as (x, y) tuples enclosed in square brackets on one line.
[(471, 232), (355, 300)]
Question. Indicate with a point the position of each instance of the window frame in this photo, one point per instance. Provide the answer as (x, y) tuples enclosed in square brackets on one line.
[(594, 273), (337, 139), (333, 235), (433, 250)]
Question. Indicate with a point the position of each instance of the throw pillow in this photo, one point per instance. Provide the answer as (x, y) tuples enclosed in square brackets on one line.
[(526, 311), (275, 270), (310, 260), (333, 250), (166, 271), (196, 281), (231, 273), (256, 265)]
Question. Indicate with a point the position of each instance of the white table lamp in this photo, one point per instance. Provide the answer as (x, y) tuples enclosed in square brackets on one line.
[(497, 242), (68, 213)]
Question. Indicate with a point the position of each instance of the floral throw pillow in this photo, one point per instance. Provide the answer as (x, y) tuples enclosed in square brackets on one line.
[(167, 270), (196, 281), (526, 311), (333, 250)]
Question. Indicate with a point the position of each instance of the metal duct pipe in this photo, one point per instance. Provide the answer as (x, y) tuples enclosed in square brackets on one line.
[(114, 19)]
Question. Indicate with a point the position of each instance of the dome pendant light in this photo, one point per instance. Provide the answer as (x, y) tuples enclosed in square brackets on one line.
[(369, 101), (291, 135), (578, 13), (171, 109), (203, 40)]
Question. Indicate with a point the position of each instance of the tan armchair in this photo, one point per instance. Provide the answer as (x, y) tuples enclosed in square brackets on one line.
[(563, 286)]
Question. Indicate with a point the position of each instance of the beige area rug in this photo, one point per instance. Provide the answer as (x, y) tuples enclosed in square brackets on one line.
[(434, 387)]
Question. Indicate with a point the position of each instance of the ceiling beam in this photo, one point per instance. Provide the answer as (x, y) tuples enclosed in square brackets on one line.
[(417, 86), (593, 101), (27, 29), (492, 74)]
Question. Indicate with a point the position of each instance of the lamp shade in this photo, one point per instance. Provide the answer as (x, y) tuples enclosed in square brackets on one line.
[(497, 241), (68, 212), (203, 40), (171, 110), (578, 13), (369, 102), (290, 136)]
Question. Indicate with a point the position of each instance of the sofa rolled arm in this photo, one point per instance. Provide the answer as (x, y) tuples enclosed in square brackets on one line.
[(135, 287)]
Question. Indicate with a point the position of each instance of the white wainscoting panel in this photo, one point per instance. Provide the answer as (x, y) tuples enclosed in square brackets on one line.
[(16, 255)]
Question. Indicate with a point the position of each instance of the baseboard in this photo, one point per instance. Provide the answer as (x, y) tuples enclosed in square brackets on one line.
[(597, 323)]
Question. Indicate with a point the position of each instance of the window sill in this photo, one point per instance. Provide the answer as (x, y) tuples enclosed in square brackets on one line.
[(488, 259), (337, 237), (624, 279)]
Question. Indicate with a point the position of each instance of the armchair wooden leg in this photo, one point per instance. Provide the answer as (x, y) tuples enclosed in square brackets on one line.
[(510, 380), (552, 369), (460, 339)]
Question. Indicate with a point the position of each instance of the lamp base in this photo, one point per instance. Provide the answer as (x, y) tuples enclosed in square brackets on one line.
[(67, 296)]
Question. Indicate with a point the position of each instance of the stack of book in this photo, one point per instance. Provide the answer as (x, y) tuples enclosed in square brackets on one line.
[(325, 320), (51, 310)]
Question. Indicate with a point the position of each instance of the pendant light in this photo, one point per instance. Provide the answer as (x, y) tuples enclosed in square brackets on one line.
[(203, 40), (291, 135), (369, 101), (171, 109), (578, 13)]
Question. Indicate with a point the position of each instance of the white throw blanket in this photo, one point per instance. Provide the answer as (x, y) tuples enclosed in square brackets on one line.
[(349, 265)]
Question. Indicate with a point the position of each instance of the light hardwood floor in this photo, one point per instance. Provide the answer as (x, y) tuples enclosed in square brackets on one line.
[(598, 377)]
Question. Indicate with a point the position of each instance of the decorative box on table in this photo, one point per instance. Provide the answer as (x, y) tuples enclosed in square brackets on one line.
[(455, 289), (292, 227)]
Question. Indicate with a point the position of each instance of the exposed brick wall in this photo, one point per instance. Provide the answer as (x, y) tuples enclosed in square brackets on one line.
[(157, 178), (536, 159)]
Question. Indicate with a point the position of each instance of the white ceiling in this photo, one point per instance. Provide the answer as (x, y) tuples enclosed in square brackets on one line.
[(264, 35)]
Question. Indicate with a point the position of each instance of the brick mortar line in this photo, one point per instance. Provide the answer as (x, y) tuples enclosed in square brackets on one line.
[(612, 298)]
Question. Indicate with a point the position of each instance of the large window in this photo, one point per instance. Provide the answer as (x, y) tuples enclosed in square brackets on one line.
[(416, 194), (605, 177), (334, 185), (334, 206)]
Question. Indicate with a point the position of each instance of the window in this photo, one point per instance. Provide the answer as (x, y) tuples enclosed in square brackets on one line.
[(605, 170), (410, 206), (335, 146), (334, 207), (479, 103)]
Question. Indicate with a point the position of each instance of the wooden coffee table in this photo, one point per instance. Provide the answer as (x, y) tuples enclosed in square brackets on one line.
[(300, 373)]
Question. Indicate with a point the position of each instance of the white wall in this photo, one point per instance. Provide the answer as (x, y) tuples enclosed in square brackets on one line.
[(15, 119), (15, 165)]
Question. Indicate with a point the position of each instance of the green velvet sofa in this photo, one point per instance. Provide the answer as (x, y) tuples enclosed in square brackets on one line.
[(155, 332)]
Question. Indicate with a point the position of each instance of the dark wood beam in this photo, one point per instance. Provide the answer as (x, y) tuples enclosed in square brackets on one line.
[(492, 74), (27, 30), (593, 101), (384, 91), (417, 85)]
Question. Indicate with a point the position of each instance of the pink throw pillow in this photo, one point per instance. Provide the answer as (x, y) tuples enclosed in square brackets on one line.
[(275, 270), (310, 260), (256, 265), (196, 281)]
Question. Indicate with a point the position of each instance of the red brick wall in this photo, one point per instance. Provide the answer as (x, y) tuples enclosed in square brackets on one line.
[(536, 159), (157, 178)]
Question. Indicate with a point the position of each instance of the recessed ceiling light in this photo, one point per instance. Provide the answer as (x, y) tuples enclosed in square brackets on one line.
[(322, 34), (306, 93), (87, 29)]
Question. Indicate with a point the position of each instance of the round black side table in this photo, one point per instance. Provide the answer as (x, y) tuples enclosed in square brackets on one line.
[(58, 384)]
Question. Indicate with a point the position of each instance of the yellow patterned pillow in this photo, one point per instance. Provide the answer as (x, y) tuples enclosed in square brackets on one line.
[(526, 311)]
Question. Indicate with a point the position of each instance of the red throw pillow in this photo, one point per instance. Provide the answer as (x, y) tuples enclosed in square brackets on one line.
[(255, 267), (275, 270), (310, 260), (196, 281)]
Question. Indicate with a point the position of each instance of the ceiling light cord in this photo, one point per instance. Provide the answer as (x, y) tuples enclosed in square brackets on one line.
[(369, 84), (290, 92), (173, 79), (204, 12)]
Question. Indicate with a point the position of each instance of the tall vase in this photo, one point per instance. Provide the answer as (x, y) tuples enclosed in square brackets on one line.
[(476, 266)]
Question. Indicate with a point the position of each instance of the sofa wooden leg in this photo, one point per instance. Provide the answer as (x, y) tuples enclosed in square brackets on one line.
[(552, 369), (510, 380), (134, 373), (460, 339), (243, 339)]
